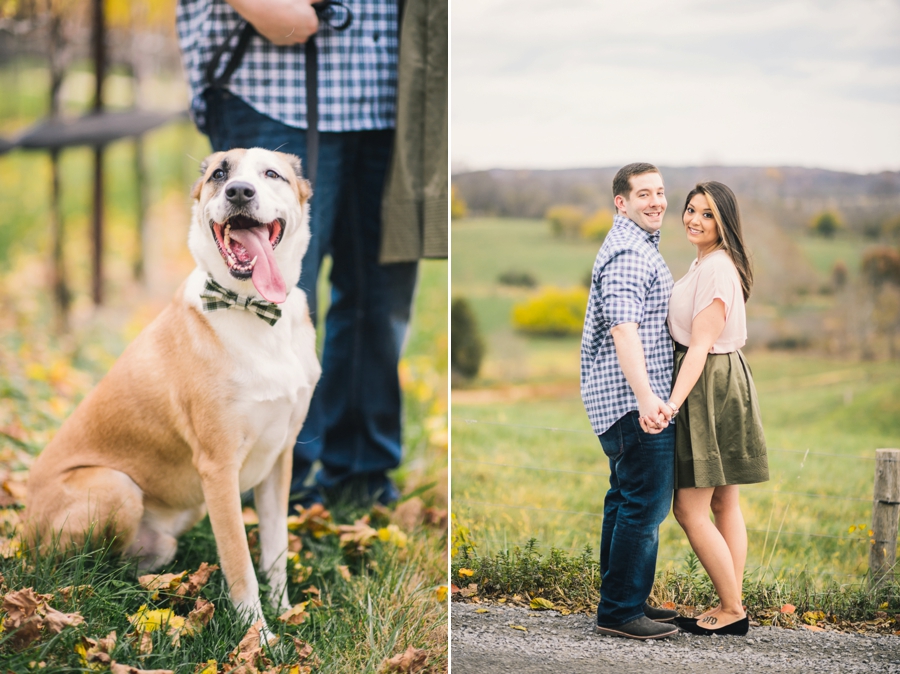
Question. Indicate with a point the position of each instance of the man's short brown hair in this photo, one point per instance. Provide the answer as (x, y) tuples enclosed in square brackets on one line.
[(622, 181)]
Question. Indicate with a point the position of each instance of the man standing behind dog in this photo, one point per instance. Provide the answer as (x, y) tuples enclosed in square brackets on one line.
[(626, 374), (256, 96)]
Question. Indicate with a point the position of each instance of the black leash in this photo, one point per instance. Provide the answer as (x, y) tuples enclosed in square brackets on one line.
[(331, 13)]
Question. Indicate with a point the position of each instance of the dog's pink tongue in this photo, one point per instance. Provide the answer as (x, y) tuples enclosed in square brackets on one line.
[(266, 277)]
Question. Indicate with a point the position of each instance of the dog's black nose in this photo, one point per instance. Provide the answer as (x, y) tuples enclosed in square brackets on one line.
[(240, 193)]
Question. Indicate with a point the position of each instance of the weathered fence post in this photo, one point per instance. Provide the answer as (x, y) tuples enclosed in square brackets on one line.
[(885, 513)]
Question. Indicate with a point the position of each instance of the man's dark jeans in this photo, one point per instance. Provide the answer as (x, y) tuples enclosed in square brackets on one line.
[(353, 426), (641, 481)]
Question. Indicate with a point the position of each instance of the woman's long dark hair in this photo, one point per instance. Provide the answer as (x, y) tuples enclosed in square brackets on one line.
[(724, 206)]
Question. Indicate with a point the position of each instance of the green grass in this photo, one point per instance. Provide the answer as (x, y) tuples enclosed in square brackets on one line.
[(807, 403), (571, 582), (388, 604), (824, 405)]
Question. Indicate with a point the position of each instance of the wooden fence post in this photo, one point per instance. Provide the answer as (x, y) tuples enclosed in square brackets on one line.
[(885, 514)]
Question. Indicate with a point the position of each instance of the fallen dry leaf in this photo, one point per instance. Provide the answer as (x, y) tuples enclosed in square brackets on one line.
[(167, 581), (304, 650), (196, 580), (812, 628), (316, 520), (481, 610), (295, 615), (22, 604), (70, 590), (411, 661), (150, 620), (519, 627), (208, 667), (359, 534), (145, 647), (344, 571), (56, 621), (436, 517), (248, 656), (788, 608), (28, 613), (96, 653), (470, 590), (409, 514), (199, 617), (117, 668), (540, 604)]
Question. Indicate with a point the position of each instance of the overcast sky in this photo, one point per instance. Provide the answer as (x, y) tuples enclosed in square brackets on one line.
[(579, 83)]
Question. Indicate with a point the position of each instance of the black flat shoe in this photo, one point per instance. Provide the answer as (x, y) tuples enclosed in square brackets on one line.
[(681, 621), (736, 629)]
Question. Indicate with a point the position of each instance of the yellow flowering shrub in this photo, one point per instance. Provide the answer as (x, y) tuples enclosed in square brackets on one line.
[(553, 311)]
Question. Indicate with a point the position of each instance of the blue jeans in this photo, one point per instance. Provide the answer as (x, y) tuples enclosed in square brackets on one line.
[(641, 483), (354, 421)]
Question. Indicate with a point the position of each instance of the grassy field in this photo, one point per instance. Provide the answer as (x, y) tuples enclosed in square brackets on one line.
[(525, 462), (375, 603)]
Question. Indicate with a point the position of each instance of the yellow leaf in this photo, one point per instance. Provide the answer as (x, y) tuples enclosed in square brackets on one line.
[(539, 604), (392, 534), (481, 610), (883, 606), (212, 667), (295, 615), (466, 573), (851, 529), (441, 593), (146, 620), (519, 627)]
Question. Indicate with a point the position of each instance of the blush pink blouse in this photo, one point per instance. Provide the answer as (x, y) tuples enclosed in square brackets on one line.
[(715, 276)]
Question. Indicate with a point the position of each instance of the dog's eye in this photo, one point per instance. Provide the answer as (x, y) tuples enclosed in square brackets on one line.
[(271, 174), (218, 174)]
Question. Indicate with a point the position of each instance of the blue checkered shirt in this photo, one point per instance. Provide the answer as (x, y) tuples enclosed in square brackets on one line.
[(631, 283), (357, 67)]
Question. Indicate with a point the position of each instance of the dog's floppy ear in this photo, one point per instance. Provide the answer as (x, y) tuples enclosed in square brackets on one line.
[(198, 185), (303, 187)]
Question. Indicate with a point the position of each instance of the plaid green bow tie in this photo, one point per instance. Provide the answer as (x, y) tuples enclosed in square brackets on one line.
[(216, 297)]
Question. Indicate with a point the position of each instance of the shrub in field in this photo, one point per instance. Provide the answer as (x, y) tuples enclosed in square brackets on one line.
[(826, 224), (466, 344), (553, 312), (458, 207), (565, 221), (597, 226), (514, 277), (881, 265)]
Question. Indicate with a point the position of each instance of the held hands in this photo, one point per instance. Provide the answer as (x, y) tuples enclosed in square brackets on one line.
[(282, 22), (654, 414)]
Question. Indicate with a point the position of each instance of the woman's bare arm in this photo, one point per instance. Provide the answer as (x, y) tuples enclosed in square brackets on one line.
[(705, 330)]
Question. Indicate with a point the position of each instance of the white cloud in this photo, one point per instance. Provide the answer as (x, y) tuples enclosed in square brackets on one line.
[(582, 83)]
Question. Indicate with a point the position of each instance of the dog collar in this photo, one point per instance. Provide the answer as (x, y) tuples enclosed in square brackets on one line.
[(215, 297)]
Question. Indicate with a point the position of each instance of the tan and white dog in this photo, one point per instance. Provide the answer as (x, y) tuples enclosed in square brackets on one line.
[(204, 404)]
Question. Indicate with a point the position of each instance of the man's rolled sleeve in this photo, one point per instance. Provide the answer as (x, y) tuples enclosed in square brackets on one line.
[(624, 283)]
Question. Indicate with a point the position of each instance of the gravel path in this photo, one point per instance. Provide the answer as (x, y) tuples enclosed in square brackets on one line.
[(485, 643)]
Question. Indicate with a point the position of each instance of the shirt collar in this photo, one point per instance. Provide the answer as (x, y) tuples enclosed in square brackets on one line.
[(636, 230)]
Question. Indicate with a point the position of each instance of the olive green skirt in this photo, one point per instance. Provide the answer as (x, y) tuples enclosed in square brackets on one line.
[(719, 436)]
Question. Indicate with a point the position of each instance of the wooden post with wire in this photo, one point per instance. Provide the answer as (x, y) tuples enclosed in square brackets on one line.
[(885, 514)]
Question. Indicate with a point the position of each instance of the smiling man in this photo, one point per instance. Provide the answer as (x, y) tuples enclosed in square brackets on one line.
[(626, 374)]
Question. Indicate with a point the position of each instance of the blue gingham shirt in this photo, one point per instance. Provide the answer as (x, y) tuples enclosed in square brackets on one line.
[(357, 67), (631, 283)]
